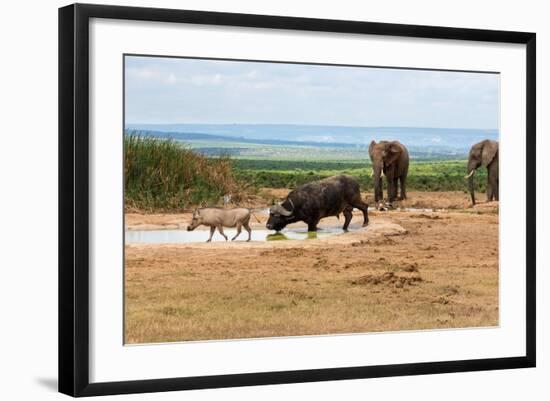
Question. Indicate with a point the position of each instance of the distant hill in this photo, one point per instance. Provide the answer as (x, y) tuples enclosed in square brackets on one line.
[(313, 135), (192, 136)]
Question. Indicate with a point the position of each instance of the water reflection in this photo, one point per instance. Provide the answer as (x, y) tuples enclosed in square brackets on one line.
[(279, 236), (183, 236)]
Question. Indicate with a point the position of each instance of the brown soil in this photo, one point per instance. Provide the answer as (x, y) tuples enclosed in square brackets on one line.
[(419, 269)]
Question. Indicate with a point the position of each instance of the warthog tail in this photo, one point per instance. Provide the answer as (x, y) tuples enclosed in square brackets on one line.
[(257, 219)]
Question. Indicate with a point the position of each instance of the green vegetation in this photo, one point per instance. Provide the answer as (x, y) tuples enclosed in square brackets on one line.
[(163, 175), (424, 175)]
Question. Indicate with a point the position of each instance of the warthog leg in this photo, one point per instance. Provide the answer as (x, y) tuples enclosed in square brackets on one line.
[(220, 229), (238, 232), (247, 228), (212, 229)]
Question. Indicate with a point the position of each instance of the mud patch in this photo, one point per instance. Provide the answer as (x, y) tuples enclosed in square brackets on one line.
[(427, 216), (450, 290), (381, 241), (442, 301), (388, 278)]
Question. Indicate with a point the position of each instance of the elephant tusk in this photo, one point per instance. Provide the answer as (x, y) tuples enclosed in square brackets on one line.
[(372, 173), (469, 175)]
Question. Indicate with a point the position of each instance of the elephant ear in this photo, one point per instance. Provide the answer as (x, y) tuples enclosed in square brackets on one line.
[(371, 148), (489, 152), (394, 152)]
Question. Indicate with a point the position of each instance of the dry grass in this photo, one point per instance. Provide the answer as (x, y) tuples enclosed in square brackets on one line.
[(443, 274)]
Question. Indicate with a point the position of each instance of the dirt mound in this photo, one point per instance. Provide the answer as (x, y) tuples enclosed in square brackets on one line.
[(386, 229), (388, 278), (412, 268)]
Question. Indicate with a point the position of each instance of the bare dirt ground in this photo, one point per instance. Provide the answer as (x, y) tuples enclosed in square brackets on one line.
[(432, 267)]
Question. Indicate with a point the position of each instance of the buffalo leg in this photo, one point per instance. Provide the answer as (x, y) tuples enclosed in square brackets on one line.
[(220, 229), (312, 225), (347, 215), (362, 206), (212, 229), (238, 232), (247, 228)]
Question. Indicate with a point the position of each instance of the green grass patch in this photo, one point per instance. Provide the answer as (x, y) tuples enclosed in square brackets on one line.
[(164, 175), (424, 175)]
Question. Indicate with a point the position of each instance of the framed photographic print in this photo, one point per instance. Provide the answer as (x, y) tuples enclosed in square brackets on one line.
[(251, 199)]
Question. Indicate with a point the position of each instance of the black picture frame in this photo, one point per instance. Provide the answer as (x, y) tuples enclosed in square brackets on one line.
[(74, 198)]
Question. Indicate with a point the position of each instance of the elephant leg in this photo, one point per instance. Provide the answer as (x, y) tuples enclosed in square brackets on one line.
[(489, 190), (389, 183), (392, 189), (402, 181), (492, 183), (238, 232), (347, 216)]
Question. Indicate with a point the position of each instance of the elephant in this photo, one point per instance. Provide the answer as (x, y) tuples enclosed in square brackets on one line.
[(392, 160), (484, 153)]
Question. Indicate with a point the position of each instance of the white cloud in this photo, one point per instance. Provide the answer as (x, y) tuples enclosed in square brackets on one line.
[(204, 80), (259, 92)]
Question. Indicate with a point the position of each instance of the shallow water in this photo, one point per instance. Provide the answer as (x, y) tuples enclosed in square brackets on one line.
[(183, 236)]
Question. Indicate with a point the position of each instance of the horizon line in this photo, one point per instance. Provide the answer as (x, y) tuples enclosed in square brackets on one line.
[(315, 125)]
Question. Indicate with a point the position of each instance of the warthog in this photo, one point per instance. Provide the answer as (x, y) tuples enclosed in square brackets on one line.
[(219, 218), (315, 200)]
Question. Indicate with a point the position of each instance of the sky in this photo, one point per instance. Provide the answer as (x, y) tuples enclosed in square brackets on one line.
[(179, 91)]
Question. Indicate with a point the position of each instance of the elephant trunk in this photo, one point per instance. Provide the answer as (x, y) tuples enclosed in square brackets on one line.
[(470, 178), (377, 172)]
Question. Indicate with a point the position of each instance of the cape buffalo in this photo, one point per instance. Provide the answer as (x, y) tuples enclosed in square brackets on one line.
[(315, 200)]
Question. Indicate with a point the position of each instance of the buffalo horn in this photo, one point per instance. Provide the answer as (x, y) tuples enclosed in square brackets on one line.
[(279, 209)]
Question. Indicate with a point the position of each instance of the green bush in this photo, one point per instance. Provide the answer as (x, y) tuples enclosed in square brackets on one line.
[(163, 175)]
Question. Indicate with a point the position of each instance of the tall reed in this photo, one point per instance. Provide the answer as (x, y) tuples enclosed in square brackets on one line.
[(165, 175)]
